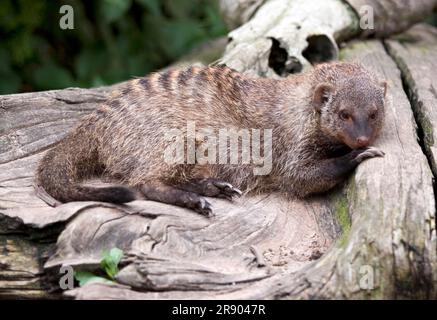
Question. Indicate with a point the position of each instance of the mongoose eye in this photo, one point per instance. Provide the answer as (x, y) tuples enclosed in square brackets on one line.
[(344, 115), (372, 116)]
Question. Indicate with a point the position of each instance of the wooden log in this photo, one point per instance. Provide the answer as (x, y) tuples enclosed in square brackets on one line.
[(279, 37), (388, 245), (390, 249), (415, 54), (391, 16), (372, 238), (26, 241), (235, 13), (287, 36), (21, 268)]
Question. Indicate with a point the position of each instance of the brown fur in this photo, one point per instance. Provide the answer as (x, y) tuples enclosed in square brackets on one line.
[(124, 138)]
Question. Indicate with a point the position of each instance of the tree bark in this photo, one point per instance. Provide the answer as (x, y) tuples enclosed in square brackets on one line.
[(392, 16), (278, 37)]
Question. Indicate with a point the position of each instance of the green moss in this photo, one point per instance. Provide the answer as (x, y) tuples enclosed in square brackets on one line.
[(354, 46), (343, 219), (376, 294), (405, 38), (424, 49), (428, 131)]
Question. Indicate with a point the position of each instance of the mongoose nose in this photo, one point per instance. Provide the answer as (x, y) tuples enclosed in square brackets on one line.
[(363, 141)]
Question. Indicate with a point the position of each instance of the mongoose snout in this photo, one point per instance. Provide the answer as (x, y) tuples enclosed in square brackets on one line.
[(313, 129), (362, 141)]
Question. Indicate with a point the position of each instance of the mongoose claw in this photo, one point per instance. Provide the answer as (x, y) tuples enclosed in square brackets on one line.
[(368, 153), (203, 207), (227, 190)]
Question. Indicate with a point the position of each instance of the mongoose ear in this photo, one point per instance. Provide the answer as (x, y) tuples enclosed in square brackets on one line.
[(322, 93), (384, 87)]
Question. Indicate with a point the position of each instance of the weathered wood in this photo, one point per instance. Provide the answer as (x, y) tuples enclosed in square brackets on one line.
[(21, 268), (278, 37), (391, 205), (175, 249), (22, 138), (257, 247), (235, 13), (286, 36), (392, 209), (389, 16), (392, 16), (415, 53), (168, 248)]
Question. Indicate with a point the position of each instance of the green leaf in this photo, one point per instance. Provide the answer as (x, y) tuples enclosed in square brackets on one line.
[(90, 62), (182, 9), (110, 261), (114, 9), (52, 76), (85, 277), (154, 6), (98, 82), (217, 27), (9, 83), (178, 37)]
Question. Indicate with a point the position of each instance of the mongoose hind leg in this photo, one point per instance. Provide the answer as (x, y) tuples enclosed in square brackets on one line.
[(159, 191), (211, 187)]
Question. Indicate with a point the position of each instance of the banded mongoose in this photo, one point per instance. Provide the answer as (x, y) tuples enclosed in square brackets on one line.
[(322, 122)]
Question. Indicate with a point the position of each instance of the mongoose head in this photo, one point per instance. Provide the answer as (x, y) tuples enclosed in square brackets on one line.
[(351, 110)]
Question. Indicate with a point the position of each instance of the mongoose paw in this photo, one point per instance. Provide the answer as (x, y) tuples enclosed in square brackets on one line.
[(368, 153), (227, 190), (203, 207)]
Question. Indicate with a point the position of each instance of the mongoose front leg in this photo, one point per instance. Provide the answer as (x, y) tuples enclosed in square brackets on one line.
[(162, 192), (343, 165), (211, 187), (328, 173)]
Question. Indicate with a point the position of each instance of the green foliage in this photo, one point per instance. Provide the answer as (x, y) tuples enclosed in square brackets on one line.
[(432, 18), (109, 265), (84, 277), (342, 216), (112, 40), (110, 262), (112, 10)]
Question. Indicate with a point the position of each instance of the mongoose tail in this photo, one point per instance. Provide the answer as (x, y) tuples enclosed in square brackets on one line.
[(73, 160)]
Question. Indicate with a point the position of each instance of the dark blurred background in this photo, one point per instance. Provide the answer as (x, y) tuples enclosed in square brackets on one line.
[(112, 40)]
